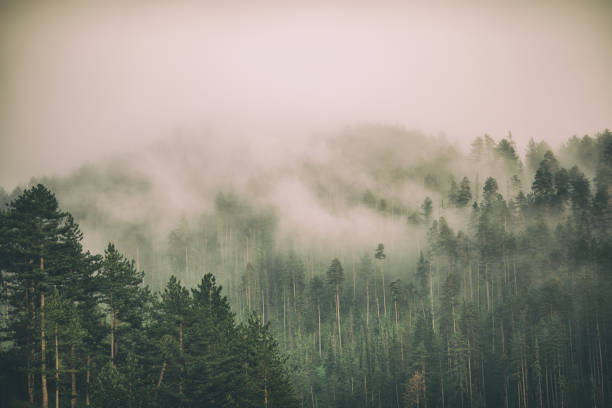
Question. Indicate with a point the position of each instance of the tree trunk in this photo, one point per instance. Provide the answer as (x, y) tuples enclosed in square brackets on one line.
[(161, 375), (116, 347), (365, 386), (30, 359), (186, 264), (183, 361), (338, 315), (312, 397), (87, 380), (354, 277), (319, 312), (265, 390), (31, 376), (112, 330), (43, 364), (56, 369), (433, 315), (73, 400), (376, 299), (398, 330), (367, 305), (384, 291)]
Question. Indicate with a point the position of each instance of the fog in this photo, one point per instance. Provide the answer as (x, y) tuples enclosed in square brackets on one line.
[(139, 115), (83, 81)]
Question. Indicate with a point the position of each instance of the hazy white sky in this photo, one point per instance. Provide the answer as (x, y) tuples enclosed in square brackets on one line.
[(81, 81)]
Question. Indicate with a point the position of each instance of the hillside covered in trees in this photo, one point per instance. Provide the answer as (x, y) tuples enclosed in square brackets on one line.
[(392, 270)]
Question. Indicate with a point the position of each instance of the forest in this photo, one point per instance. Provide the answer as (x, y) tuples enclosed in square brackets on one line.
[(401, 273)]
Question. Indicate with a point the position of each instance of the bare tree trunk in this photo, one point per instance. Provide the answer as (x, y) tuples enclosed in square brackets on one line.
[(112, 329), (43, 364), (376, 299), (56, 369), (433, 315), (312, 397), (367, 305), (398, 330), (181, 350), (384, 290), (319, 312), (161, 375)]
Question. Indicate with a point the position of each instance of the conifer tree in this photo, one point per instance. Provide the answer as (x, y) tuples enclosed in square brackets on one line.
[(335, 277)]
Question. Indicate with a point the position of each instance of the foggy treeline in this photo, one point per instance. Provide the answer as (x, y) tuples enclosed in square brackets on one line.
[(377, 267)]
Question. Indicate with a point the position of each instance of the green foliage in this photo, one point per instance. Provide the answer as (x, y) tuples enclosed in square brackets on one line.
[(335, 273)]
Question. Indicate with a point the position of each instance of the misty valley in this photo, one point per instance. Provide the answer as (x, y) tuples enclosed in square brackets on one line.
[(373, 267)]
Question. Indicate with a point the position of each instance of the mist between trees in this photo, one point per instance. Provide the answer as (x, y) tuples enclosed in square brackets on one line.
[(375, 268)]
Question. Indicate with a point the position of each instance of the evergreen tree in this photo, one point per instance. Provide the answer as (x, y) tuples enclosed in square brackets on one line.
[(464, 195), (335, 277)]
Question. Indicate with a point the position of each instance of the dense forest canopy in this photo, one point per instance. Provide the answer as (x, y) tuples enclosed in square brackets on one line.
[(391, 270)]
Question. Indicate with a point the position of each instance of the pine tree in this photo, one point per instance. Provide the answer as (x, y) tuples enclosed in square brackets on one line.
[(39, 243), (464, 195), (119, 284), (335, 277)]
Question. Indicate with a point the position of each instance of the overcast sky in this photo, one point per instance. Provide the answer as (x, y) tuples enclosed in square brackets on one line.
[(79, 82)]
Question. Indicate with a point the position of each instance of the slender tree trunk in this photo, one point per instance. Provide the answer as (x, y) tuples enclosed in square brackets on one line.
[(503, 337), (433, 316), (354, 278), (601, 375), (376, 299), (115, 323), (523, 375), (180, 389), (312, 397), (73, 400), (365, 386), (87, 378), (442, 386), (319, 313), (31, 377), (56, 369), (398, 330), (470, 371), (161, 375), (112, 330), (384, 289), (265, 389), (186, 264), (43, 365), (294, 297), (367, 305), (424, 387), (338, 315)]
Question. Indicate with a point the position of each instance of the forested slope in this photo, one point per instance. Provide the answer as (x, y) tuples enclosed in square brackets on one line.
[(392, 270)]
